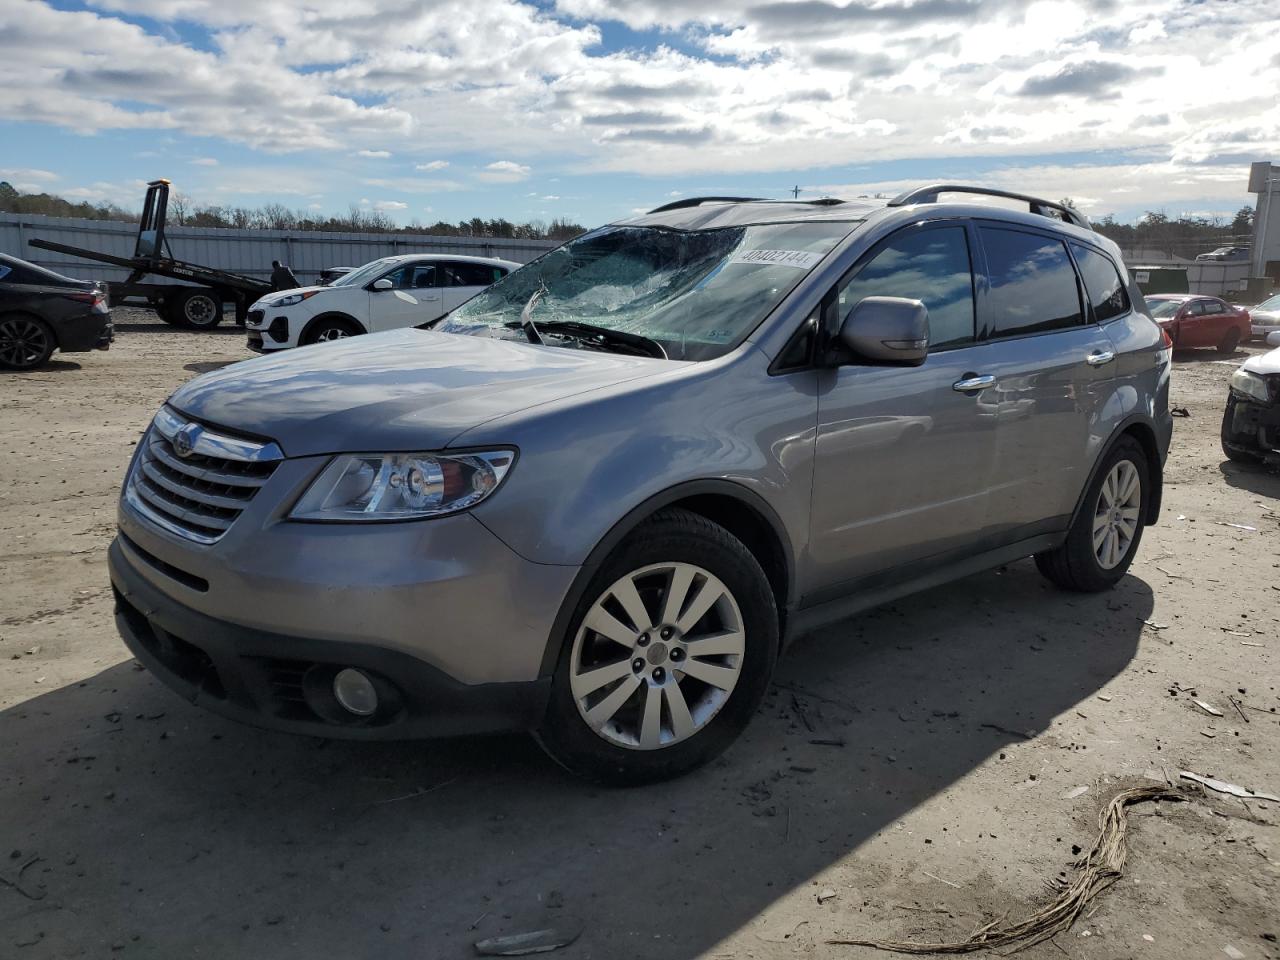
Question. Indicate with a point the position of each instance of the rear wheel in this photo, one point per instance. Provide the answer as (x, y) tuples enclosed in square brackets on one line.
[(1230, 341), (329, 328), (26, 342), (197, 310), (1105, 535), (668, 656)]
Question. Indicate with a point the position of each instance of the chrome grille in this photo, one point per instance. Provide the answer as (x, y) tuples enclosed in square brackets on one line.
[(194, 481)]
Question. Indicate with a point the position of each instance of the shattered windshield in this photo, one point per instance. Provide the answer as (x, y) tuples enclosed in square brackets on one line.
[(697, 293)]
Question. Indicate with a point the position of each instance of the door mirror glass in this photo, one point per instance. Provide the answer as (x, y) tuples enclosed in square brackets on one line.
[(888, 330), (383, 284)]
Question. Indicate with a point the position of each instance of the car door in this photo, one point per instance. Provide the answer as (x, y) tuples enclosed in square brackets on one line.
[(414, 297), (1195, 325), (903, 454), (1051, 366), (462, 281)]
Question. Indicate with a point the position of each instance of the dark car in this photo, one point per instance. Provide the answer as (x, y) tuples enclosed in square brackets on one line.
[(42, 311), (330, 274), (1193, 321)]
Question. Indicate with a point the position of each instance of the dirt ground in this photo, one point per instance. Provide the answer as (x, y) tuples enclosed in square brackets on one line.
[(970, 716)]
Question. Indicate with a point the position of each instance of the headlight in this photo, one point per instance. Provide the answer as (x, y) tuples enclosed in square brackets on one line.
[(402, 486), (293, 298), (1251, 385)]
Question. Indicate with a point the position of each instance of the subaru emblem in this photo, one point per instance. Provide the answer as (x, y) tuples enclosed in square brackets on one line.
[(185, 439)]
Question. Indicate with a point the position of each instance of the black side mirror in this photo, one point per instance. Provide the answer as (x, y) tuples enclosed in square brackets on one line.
[(888, 330)]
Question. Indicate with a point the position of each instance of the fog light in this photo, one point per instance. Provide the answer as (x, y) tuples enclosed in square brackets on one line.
[(355, 692)]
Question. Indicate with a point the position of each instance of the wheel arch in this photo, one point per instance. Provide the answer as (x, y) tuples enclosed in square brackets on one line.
[(330, 315), (1140, 429), (742, 512)]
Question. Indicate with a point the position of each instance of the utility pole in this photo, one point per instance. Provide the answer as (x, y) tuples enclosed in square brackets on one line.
[(795, 191)]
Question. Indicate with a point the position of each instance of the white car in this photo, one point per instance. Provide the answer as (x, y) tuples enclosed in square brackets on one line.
[(386, 294), (1265, 317)]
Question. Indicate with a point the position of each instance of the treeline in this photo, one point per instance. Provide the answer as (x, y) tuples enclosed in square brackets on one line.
[(47, 205), (276, 216), (1181, 236)]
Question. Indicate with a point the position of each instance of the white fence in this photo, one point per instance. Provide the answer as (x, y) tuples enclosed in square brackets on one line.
[(248, 252)]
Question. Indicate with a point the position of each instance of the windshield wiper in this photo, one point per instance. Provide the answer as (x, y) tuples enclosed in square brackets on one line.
[(526, 316), (590, 335)]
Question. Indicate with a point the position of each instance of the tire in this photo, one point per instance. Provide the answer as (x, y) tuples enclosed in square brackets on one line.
[(1081, 563), (26, 342), (197, 310), (1230, 341), (329, 328), (695, 714), (1230, 449)]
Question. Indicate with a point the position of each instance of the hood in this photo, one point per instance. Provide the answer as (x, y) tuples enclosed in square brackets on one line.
[(277, 294), (1265, 316), (406, 390), (1264, 363)]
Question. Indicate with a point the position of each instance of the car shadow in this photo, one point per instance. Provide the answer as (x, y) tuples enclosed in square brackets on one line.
[(223, 329), (1258, 478), (208, 366), (49, 366), (165, 831)]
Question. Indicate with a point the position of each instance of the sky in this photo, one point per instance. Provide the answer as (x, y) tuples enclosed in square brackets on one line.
[(590, 110)]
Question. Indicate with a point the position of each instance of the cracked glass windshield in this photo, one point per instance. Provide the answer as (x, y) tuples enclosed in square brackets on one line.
[(697, 293)]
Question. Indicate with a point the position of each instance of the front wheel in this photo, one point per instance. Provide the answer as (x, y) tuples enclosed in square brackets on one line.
[(335, 328), (668, 655), (1102, 541), (1230, 341)]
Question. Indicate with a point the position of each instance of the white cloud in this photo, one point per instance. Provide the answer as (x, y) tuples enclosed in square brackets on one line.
[(753, 86), (389, 205), (504, 171), (204, 162)]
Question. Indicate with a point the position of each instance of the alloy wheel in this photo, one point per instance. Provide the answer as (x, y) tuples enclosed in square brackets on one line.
[(657, 656), (23, 342), (332, 333), (1115, 518)]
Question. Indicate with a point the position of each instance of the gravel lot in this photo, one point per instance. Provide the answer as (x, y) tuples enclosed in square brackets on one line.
[(968, 716)]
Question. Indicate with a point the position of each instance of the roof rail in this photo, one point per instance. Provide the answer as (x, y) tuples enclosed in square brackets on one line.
[(930, 193), (698, 201)]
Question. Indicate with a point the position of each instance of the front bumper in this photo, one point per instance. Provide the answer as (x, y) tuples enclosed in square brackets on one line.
[(1260, 330), (442, 609), (1252, 427), (264, 337), (285, 682)]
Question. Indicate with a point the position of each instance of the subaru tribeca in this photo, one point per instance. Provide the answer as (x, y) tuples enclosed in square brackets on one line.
[(596, 501)]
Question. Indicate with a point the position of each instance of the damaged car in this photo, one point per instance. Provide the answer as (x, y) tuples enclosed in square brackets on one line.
[(596, 501), (1251, 422)]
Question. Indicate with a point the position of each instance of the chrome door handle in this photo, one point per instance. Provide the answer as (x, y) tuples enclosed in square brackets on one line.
[(429, 299), (974, 383), (1099, 357)]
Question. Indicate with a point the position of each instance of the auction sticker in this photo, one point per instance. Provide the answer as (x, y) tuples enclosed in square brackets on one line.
[(783, 258)]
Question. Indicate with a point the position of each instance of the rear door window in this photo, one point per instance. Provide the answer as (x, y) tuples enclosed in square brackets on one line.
[(1033, 286), (470, 274), (930, 265), (1102, 283)]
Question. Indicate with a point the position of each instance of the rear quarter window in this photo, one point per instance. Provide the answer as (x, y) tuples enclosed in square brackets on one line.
[(1102, 283), (1033, 286)]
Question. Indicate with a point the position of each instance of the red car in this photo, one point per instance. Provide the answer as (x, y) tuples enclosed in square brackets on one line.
[(1196, 321)]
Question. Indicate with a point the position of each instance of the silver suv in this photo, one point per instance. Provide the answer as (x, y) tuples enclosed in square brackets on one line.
[(597, 500)]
